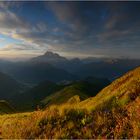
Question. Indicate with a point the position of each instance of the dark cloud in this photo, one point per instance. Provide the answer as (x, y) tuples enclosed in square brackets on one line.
[(103, 28)]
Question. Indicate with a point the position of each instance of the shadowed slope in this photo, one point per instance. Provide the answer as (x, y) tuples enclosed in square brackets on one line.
[(5, 107)]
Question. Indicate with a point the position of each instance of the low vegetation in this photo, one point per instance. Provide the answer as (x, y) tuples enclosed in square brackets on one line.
[(112, 113)]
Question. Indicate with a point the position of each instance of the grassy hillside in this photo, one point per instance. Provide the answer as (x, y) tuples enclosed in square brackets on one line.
[(112, 114), (65, 94), (122, 91), (83, 89), (5, 107), (48, 93)]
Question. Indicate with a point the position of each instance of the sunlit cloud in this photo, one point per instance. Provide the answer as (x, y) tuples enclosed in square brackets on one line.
[(70, 28)]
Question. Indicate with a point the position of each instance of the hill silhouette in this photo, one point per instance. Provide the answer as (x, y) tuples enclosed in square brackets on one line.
[(84, 89), (6, 108), (48, 93), (8, 86), (31, 98)]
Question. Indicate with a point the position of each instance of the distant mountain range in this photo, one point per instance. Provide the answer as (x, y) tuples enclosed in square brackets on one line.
[(50, 57), (109, 68), (44, 79), (58, 61), (36, 72), (53, 67)]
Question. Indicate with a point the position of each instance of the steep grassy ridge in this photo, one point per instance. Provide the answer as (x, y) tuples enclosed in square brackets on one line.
[(83, 89), (119, 93), (112, 114)]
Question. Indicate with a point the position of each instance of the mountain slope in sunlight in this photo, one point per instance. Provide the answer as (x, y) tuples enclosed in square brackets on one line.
[(48, 93), (112, 114), (84, 89), (119, 93)]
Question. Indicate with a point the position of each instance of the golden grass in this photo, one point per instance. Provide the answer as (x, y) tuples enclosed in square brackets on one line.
[(113, 113), (71, 121)]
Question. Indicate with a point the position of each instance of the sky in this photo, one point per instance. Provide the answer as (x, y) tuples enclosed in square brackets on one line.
[(72, 29)]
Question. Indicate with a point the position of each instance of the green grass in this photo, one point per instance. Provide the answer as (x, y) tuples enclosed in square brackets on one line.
[(65, 94), (83, 89), (6, 108), (48, 93)]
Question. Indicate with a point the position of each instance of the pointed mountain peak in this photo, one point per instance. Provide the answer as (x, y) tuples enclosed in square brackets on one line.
[(49, 57), (51, 54)]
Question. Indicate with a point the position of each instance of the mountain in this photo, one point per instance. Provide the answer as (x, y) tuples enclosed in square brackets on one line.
[(121, 92), (57, 93), (108, 68), (88, 60), (49, 66), (30, 99), (53, 67), (112, 114), (111, 68), (99, 82), (66, 93), (6, 108), (53, 59), (36, 72), (82, 89), (8, 86), (50, 57), (58, 61)]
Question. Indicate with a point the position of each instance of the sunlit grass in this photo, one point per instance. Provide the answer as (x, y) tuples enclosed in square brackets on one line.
[(113, 113)]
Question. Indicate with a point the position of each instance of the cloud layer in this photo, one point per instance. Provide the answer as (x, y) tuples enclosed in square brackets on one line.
[(108, 29)]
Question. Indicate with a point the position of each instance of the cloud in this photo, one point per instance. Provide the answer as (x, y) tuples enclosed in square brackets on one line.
[(2, 39), (20, 29), (72, 15), (9, 20), (10, 4), (82, 27), (19, 47)]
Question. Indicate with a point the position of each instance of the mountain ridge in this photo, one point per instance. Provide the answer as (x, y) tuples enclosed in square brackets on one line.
[(122, 89), (112, 114)]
